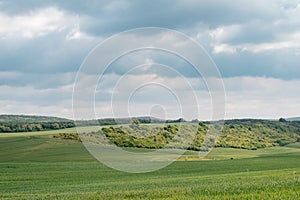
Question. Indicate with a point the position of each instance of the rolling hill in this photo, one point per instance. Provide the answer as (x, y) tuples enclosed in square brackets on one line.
[(237, 133)]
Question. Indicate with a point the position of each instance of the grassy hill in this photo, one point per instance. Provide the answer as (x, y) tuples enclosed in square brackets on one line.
[(238, 133), (43, 167), (52, 165), (294, 119), (252, 134), (243, 134)]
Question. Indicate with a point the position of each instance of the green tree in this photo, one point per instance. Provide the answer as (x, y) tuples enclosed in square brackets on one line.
[(282, 120)]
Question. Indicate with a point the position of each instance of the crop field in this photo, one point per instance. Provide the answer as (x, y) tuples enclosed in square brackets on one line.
[(37, 166)]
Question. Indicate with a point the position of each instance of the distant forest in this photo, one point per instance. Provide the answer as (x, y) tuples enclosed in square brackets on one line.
[(23, 123), (266, 128)]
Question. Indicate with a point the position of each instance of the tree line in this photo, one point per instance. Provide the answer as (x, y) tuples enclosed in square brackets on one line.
[(10, 127)]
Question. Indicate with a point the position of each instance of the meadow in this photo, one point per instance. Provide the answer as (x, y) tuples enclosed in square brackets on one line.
[(38, 166)]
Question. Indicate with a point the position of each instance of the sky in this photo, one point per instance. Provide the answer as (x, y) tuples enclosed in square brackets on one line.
[(254, 44)]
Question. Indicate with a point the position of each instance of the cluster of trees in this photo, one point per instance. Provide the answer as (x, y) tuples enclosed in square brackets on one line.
[(122, 138), (254, 134), (175, 120), (244, 134)]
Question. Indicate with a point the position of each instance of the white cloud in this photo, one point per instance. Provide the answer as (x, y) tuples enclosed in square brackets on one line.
[(258, 36), (29, 100), (76, 34), (260, 97), (40, 22), (225, 33), (224, 48), (255, 97), (257, 48), (289, 40), (63, 109), (292, 43)]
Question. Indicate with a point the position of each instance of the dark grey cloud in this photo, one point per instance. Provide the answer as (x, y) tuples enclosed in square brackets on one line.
[(36, 80), (280, 64), (178, 15), (53, 53), (41, 97), (48, 54), (113, 16)]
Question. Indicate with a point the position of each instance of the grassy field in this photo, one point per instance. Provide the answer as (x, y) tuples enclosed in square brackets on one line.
[(38, 166)]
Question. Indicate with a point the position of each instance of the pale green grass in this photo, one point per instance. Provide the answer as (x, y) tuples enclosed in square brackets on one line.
[(228, 153), (43, 167)]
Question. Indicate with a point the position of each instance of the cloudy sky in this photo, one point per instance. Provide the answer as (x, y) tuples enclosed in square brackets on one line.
[(255, 45)]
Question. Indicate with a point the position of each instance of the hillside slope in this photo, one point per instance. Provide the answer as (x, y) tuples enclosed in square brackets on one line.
[(243, 134), (294, 119), (238, 133)]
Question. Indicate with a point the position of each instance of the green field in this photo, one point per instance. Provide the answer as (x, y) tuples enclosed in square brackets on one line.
[(37, 166)]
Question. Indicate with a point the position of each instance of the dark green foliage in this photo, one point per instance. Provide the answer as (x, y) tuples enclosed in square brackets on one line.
[(282, 120), (175, 121), (10, 127), (115, 121), (28, 123)]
